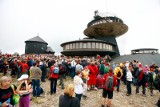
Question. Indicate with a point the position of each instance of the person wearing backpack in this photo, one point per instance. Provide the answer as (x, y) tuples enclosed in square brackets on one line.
[(118, 73), (157, 81), (141, 80), (62, 72), (108, 89), (54, 73)]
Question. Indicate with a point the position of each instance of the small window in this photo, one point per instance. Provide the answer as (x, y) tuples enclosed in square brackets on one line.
[(97, 45), (84, 45), (100, 45), (77, 44), (74, 46), (80, 45), (70, 46), (93, 45), (89, 45)]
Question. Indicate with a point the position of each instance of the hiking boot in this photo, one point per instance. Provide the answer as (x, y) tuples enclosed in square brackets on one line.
[(102, 105), (128, 94), (144, 95), (84, 97), (151, 94), (137, 92), (88, 89), (95, 88), (43, 80)]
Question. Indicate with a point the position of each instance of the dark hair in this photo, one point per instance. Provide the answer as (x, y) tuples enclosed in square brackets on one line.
[(110, 70), (78, 72), (34, 63)]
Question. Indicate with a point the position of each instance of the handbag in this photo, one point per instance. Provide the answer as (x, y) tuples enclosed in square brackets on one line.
[(16, 96)]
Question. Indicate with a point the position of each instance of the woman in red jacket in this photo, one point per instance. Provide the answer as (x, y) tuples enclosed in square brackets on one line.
[(93, 72), (53, 78)]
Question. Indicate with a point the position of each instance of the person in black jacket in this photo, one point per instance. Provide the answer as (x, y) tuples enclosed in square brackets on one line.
[(7, 92), (67, 100)]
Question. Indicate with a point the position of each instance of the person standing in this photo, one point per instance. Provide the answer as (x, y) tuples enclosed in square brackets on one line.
[(53, 78), (141, 80), (118, 73), (93, 72), (24, 90), (67, 100), (73, 65), (62, 72), (78, 85), (108, 92), (129, 80), (43, 69), (6, 92), (85, 78), (35, 76)]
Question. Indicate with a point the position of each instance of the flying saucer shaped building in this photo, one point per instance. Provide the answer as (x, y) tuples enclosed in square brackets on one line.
[(102, 32)]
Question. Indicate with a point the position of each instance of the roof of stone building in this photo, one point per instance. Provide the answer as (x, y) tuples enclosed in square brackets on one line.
[(49, 49), (145, 58), (36, 39)]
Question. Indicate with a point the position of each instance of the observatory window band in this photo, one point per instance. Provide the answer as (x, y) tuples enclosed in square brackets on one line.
[(88, 45), (106, 20)]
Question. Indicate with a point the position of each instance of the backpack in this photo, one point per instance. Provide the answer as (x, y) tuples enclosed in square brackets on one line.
[(79, 67), (56, 70), (119, 73), (105, 70), (101, 69), (109, 83), (62, 69), (100, 81), (141, 74)]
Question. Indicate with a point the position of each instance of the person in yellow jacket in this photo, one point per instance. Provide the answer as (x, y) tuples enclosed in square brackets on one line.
[(118, 73)]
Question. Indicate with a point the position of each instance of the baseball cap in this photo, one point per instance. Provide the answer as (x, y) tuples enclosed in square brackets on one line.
[(24, 76)]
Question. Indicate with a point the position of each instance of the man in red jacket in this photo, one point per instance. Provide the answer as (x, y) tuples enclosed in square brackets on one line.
[(108, 92)]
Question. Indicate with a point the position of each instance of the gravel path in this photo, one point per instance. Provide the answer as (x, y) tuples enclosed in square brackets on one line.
[(94, 98)]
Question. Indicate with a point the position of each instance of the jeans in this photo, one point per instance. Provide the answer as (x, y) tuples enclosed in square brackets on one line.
[(72, 72), (36, 87), (129, 90), (118, 85), (79, 96), (53, 84), (43, 75), (143, 88), (61, 77)]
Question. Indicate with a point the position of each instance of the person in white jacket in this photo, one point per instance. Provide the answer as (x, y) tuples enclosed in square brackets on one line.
[(129, 79), (78, 82)]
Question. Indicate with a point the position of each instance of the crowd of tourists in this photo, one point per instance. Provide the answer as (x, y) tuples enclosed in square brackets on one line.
[(87, 74)]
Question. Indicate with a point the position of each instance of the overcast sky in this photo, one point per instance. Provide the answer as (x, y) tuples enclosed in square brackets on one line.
[(58, 21)]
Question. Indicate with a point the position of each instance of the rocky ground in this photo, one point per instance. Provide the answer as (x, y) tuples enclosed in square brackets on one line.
[(94, 97)]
